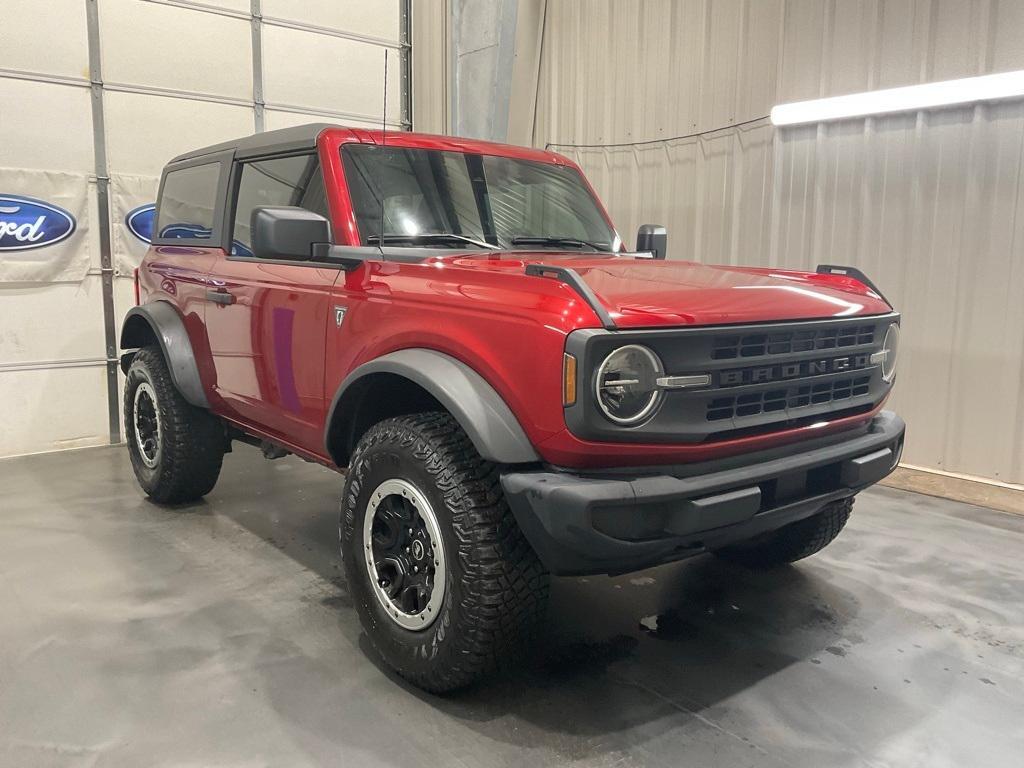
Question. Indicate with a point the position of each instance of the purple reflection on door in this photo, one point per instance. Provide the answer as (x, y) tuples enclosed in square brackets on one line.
[(283, 363)]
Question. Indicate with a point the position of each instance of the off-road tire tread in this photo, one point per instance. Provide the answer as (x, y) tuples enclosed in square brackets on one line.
[(793, 542), (193, 444), (505, 586)]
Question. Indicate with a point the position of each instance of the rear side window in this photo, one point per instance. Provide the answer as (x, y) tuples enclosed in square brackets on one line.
[(188, 202), (296, 180)]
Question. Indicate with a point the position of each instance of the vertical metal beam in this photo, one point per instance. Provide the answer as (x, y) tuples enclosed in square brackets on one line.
[(99, 140), (527, 52), (256, 11), (454, 25), (405, 61)]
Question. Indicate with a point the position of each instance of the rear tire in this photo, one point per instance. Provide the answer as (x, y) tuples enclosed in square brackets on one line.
[(428, 492), (176, 449), (793, 542)]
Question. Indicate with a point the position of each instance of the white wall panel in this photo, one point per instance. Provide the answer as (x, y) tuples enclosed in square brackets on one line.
[(280, 119), (930, 205), (315, 56), (165, 46), (144, 132), (376, 18), (45, 126), (37, 323), (238, 6), (51, 410), (65, 52), (329, 73)]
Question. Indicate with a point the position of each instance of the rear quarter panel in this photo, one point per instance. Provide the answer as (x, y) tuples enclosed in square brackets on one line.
[(178, 275)]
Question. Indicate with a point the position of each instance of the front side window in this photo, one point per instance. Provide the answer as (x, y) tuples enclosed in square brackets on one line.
[(187, 203), (435, 197), (296, 180)]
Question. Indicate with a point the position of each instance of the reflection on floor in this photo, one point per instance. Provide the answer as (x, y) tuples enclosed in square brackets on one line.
[(222, 633)]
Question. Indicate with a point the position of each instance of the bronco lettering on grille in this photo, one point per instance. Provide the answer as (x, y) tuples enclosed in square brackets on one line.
[(738, 376)]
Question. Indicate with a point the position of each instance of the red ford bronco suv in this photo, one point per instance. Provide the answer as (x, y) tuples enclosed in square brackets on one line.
[(457, 327)]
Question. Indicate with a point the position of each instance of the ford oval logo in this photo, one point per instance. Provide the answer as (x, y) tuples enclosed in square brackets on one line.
[(140, 222), (27, 223)]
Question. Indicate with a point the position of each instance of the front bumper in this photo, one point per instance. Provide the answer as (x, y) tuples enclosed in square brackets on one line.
[(614, 523)]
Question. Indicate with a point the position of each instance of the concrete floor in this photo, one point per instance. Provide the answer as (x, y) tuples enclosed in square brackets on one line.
[(222, 634)]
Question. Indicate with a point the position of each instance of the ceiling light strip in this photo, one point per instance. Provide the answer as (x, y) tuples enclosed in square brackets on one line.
[(967, 90)]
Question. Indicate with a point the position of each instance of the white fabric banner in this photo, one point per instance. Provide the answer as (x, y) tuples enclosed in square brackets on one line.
[(132, 202), (44, 226)]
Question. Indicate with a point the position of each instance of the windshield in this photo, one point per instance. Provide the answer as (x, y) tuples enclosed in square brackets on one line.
[(485, 198)]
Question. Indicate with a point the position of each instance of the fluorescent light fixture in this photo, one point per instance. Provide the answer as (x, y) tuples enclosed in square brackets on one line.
[(1003, 85)]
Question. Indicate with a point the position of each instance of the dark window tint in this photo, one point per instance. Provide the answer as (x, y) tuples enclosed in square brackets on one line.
[(423, 191), (529, 199), (188, 201), (295, 180), (497, 199)]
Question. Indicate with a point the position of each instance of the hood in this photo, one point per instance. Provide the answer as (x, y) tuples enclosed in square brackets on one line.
[(644, 293)]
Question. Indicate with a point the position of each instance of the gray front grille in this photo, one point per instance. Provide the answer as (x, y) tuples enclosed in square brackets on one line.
[(762, 377), (731, 347), (790, 398)]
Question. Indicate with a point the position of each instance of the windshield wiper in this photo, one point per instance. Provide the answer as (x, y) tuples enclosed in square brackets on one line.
[(568, 242), (429, 238)]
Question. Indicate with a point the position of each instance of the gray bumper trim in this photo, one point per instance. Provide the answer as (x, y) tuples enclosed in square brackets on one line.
[(586, 524)]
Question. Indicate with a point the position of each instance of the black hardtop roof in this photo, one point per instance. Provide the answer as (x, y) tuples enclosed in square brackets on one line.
[(303, 137), (285, 139)]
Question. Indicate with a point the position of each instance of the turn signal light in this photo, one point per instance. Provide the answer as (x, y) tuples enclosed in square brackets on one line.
[(568, 379)]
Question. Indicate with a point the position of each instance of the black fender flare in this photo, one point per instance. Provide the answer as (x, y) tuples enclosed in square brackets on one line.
[(486, 418), (166, 325)]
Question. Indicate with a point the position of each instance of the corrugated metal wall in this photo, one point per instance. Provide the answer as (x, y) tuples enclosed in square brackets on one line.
[(928, 204), (432, 71)]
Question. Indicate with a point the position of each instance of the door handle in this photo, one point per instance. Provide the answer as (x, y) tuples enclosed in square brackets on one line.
[(220, 296)]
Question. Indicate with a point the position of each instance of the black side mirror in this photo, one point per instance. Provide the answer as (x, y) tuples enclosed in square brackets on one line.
[(652, 238), (287, 232)]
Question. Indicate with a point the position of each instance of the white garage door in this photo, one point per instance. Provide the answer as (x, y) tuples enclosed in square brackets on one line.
[(95, 96)]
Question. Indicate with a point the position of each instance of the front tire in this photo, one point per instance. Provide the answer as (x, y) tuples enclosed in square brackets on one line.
[(446, 586), (793, 542), (176, 449)]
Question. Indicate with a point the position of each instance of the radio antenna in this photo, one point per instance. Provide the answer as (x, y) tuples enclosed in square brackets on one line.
[(383, 140)]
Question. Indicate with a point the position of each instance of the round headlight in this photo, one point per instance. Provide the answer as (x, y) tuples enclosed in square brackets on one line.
[(627, 388), (891, 347)]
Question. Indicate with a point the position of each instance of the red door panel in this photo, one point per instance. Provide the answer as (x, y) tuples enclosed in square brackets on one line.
[(266, 324)]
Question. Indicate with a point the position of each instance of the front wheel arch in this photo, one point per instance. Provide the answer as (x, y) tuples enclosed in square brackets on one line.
[(420, 380)]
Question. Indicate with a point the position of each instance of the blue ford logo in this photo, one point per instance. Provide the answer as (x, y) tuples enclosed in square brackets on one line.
[(185, 231), (140, 222), (27, 223)]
